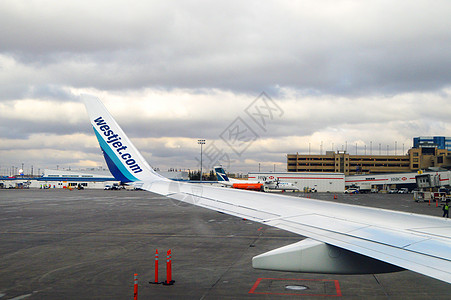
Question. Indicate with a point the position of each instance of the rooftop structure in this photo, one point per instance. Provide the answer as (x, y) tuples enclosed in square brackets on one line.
[(441, 142)]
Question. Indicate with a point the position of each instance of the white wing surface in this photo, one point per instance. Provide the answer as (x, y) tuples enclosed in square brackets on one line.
[(342, 238)]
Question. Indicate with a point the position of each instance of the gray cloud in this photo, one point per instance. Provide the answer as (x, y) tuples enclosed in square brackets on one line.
[(362, 48), (338, 68)]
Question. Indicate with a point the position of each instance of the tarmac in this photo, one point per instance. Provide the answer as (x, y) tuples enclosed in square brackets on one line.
[(88, 244)]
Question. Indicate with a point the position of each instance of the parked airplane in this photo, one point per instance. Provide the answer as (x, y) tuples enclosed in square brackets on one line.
[(235, 183), (342, 239), (261, 185)]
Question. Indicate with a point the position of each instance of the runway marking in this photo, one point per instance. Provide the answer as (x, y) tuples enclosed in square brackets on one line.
[(21, 297)]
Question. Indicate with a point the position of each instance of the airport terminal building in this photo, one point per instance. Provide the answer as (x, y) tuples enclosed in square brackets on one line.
[(384, 182), (92, 179), (338, 182), (428, 152), (61, 179)]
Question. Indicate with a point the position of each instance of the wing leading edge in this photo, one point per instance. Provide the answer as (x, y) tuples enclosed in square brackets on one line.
[(410, 241)]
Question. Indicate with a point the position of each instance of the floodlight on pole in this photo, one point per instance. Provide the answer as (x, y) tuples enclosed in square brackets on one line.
[(201, 142)]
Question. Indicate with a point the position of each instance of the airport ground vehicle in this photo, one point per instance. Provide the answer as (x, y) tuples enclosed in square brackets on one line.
[(115, 186), (351, 191)]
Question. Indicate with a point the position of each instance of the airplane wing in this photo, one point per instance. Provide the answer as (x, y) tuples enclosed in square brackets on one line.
[(342, 239)]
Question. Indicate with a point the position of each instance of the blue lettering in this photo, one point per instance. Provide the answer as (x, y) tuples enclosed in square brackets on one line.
[(99, 121), (116, 144), (130, 161), (135, 168), (104, 127), (113, 139)]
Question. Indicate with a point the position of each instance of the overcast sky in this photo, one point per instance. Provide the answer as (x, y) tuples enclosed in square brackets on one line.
[(256, 79)]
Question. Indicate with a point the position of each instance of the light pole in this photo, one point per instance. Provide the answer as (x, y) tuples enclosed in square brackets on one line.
[(201, 142)]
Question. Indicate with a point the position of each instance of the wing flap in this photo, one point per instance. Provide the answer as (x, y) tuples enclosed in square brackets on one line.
[(412, 241), (431, 247), (425, 259)]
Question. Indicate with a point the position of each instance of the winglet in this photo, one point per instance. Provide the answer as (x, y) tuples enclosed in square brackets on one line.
[(123, 159), (221, 174)]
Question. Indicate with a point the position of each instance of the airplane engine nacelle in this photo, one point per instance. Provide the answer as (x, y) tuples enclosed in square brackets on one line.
[(310, 256)]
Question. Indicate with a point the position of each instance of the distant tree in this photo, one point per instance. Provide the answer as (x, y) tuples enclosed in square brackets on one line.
[(195, 175)]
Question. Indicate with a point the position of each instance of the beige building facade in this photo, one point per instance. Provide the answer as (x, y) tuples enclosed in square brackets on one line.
[(342, 162)]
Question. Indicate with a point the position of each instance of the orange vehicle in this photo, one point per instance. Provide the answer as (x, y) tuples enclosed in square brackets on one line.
[(248, 186)]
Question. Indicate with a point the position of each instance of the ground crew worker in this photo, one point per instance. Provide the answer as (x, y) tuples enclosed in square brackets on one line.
[(446, 210)]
